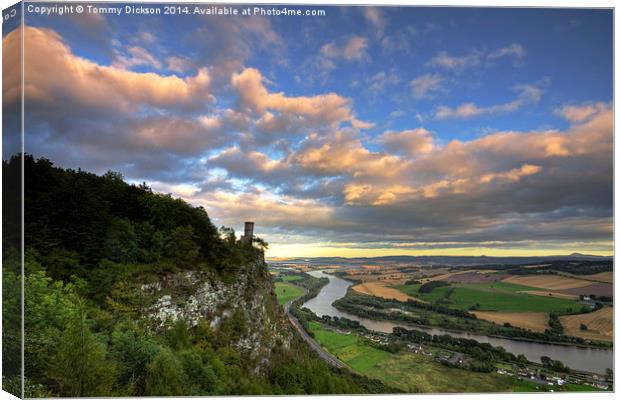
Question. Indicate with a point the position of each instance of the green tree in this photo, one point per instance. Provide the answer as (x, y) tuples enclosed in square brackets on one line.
[(121, 243), (181, 247), (201, 375), (79, 366), (133, 350), (165, 376)]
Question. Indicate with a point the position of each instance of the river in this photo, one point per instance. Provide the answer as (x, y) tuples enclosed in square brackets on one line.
[(580, 358)]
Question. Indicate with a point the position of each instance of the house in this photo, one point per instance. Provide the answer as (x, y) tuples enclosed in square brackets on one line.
[(457, 359)]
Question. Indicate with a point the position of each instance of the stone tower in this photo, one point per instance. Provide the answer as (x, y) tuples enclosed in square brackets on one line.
[(248, 232)]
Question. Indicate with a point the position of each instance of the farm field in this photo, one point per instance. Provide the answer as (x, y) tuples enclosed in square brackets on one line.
[(550, 282), (497, 296), (563, 286), (348, 348), (290, 278), (535, 321), (418, 373), (412, 290), (287, 292), (606, 277), (381, 290), (599, 324), (404, 370)]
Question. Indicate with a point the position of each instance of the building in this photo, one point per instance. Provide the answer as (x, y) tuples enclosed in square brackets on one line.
[(248, 232)]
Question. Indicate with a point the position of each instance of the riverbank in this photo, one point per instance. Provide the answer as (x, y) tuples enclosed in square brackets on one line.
[(590, 359)]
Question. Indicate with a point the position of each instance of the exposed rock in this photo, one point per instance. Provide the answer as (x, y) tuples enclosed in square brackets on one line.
[(197, 296)]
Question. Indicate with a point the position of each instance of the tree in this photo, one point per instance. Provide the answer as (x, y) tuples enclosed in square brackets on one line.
[(165, 376), (79, 367), (121, 243), (260, 243), (133, 350), (181, 247), (228, 235)]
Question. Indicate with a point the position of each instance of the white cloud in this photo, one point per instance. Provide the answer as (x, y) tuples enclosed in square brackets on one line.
[(527, 94), (448, 62), (580, 113), (515, 50), (426, 85)]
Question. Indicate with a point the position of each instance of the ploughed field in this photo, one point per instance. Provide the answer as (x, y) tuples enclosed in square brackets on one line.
[(597, 325)]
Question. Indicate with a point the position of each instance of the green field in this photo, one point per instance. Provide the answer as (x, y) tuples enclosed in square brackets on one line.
[(290, 278), (412, 290), (287, 292), (404, 370), (348, 348), (418, 373), (496, 296)]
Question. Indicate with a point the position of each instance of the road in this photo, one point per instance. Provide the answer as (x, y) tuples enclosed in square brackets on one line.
[(324, 354)]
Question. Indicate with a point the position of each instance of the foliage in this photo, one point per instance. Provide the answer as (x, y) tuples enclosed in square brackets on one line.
[(79, 366), (92, 242)]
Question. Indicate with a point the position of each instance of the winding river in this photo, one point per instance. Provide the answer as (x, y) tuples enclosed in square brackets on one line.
[(580, 358)]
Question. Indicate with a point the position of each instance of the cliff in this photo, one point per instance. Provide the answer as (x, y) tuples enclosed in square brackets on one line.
[(246, 308)]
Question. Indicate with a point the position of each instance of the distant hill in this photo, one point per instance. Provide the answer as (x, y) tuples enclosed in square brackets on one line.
[(441, 260)]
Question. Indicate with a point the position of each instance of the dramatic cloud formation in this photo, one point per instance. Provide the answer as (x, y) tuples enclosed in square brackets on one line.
[(384, 154)]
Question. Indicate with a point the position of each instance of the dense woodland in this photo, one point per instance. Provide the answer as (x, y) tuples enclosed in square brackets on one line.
[(85, 237)]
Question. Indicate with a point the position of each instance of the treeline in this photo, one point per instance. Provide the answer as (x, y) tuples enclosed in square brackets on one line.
[(482, 352), (576, 267), (353, 299), (90, 242)]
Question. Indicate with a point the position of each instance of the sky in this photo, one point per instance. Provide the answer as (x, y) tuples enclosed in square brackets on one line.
[(368, 131)]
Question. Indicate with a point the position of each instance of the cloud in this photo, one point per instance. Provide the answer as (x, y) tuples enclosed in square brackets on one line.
[(376, 17), (328, 109), (353, 49), (381, 80), (342, 153), (409, 142), (458, 63), (580, 113), (527, 94), (179, 64), (514, 50), (299, 164), (136, 56), (228, 43), (426, 85), (85, 84), (513, 175)]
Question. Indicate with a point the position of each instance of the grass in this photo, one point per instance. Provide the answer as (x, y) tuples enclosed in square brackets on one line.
[(574, 387), (418, 373), (290, 278), (526, 385), (348, 348), (287, 292), (410, 372), (496, 296), (412, 290)]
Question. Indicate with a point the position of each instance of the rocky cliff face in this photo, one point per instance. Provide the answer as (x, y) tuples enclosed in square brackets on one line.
[(247, 307)]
